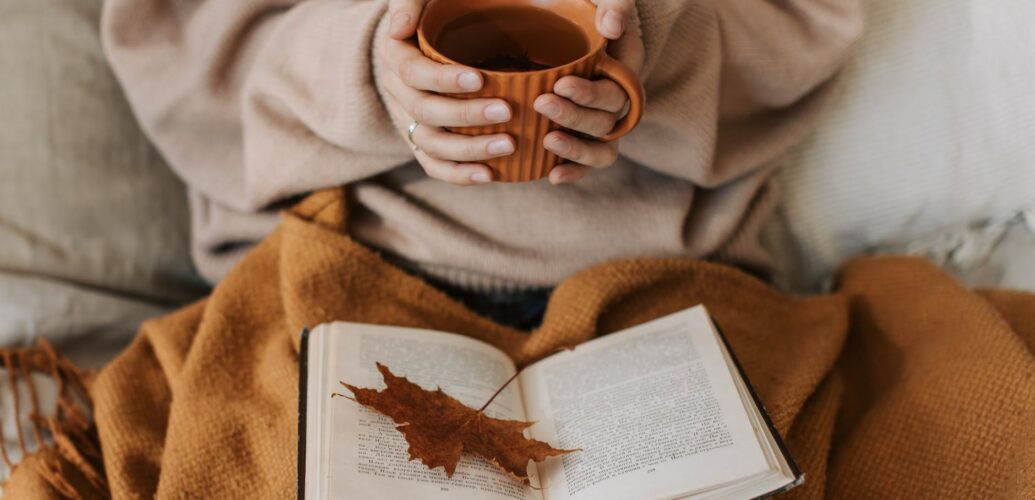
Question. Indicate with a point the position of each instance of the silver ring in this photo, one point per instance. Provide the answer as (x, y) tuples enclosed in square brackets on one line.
[(409, 134)]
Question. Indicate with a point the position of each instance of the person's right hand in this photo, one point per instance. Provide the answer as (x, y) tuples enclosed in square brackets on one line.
[(414, 81)]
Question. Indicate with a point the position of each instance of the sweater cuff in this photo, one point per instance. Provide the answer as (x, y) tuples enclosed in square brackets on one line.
[(312, 116)]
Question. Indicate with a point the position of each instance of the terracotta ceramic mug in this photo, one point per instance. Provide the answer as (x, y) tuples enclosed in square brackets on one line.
[(522, 47)]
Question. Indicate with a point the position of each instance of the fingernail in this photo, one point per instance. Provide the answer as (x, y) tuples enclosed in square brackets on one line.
[(559, 145), (481, 178), (500, 147), (469, 81), (550, 109), (497, 113), (613, 23), (566, 92), (400, 21)]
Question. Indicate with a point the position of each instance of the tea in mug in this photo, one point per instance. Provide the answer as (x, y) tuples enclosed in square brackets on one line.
[(512, 39)]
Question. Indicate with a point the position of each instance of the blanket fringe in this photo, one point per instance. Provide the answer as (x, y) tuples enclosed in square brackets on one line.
[(72, 449)]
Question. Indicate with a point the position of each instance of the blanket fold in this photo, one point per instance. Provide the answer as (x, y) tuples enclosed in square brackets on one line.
[(900, 385)]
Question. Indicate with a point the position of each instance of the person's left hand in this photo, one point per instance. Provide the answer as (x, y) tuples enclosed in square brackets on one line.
[(593, 107)]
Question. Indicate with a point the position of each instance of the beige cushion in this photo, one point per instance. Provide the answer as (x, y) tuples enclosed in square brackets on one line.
[(83, 196), (931, 130)]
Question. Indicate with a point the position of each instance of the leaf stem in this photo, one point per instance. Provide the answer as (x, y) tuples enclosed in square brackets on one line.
[(498, 391), (511, 379)]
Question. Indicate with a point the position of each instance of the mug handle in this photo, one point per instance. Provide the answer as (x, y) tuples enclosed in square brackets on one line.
[(625, 78)]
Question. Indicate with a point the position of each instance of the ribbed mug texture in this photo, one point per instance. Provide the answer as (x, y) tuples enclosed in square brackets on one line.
[(530, 161)]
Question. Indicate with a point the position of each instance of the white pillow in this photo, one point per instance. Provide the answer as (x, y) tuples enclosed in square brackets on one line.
[(932, 127)]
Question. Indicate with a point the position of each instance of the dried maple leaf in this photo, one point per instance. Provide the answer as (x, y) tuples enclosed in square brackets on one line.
[(440, 428)]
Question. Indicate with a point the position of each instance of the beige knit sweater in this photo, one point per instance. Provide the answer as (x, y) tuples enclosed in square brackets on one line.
[(255, 103)]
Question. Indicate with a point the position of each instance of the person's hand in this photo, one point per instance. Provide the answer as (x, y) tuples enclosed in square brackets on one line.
[(414, 81), (593, 107)]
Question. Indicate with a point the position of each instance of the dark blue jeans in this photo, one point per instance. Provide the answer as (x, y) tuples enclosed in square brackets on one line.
[(522, 310)]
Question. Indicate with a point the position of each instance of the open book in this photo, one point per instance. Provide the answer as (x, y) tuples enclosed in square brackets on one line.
[(660, 411)]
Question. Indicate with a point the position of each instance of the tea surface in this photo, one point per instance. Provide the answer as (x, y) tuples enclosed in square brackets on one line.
[(512, 39)]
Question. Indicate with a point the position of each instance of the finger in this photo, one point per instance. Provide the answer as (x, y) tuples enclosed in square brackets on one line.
[(629, 48), (422, 73), (464, 174), (605, 95), (567, 173), (443, 145), (566, 114), (612, 17), (402, 18), (437, 111), (590, 153)]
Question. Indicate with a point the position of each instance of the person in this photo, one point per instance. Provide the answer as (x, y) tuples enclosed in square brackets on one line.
[(256, 103)]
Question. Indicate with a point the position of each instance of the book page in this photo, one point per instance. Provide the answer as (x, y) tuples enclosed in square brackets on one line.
[(367, 457), (654, 409)]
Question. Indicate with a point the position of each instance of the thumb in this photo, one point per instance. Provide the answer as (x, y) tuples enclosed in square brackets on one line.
[(403, 16), (629, 49)]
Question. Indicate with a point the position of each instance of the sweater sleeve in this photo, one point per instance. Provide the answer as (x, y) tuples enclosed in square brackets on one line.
[(731, 85), (252, 102)]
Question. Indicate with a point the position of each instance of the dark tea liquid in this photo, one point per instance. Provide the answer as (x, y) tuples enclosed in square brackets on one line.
[(512, 39)]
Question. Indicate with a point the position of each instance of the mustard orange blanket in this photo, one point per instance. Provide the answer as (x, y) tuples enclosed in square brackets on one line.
[(900, 385)]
